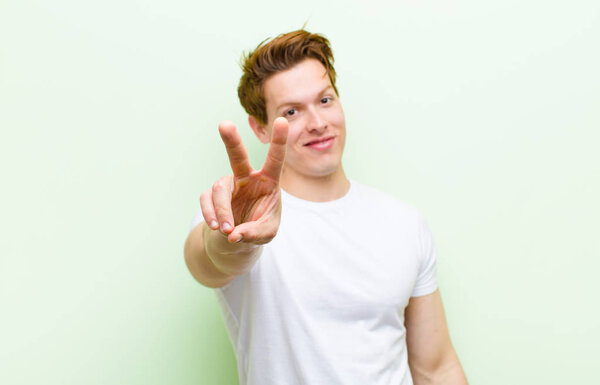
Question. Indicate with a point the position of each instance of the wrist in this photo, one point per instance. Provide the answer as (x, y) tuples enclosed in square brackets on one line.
[(230, 258)]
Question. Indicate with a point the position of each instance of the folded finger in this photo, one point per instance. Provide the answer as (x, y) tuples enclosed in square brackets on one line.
[(208, 211), (221, 201)]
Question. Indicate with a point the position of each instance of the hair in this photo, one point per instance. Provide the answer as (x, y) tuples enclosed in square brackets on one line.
[(276, 55)]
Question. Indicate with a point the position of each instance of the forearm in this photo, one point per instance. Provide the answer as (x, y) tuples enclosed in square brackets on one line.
[(448, 372), (213, 260)]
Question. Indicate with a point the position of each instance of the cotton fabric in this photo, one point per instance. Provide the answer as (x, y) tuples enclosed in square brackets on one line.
[(324, 304)]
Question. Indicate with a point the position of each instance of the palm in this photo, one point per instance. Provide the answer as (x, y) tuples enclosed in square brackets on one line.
[(256, 196)]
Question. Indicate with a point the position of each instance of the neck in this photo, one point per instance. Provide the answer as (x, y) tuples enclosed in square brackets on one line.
[(316, 189)]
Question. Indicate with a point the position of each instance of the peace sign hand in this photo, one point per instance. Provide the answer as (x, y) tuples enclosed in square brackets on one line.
[(246, 206)]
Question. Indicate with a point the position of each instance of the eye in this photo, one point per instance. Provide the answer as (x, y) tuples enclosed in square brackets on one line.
[(326, 100), (290, 112)]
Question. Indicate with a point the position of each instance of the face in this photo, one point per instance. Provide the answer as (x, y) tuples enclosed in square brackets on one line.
[(304, 95)]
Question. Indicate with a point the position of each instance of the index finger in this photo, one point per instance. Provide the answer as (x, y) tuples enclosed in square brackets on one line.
[(238, 158), (276, 154)]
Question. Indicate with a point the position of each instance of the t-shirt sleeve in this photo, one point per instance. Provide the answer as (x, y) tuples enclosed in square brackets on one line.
[(427, 280), (198, 218)]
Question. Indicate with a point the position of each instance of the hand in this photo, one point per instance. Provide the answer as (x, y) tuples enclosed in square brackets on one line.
[(246, 206)]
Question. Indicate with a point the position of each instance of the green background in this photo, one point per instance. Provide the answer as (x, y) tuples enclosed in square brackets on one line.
[(484, 115)]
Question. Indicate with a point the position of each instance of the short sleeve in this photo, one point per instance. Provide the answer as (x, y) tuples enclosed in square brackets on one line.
[(427, 280), (198, 218)]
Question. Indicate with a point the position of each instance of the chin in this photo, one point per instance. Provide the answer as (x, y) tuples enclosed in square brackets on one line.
[(323, 172)]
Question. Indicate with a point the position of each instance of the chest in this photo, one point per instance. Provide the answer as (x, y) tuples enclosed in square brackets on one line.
[(337, 265)]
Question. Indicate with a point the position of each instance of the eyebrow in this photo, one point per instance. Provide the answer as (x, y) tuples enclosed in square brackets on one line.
[(327, 88)]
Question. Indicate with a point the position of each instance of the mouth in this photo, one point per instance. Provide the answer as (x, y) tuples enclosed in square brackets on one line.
[(321, 143)]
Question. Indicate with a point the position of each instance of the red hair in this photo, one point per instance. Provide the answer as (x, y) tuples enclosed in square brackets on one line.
[(276, 55)]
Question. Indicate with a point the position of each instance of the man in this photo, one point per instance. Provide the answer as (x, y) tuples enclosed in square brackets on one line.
[(321, 280)]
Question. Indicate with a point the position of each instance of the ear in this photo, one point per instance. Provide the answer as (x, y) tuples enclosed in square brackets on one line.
[(260, 131)]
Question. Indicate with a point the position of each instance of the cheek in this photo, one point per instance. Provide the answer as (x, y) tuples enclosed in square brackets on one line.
[(336, 117), (294, 132)]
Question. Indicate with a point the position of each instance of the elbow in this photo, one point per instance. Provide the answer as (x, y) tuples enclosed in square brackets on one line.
[(446, 370)]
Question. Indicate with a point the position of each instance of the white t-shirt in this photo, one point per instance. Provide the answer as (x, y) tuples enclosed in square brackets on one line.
[(324, 304)]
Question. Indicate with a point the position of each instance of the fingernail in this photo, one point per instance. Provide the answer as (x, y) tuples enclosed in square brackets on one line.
[(239, 239), (226, 226), (214, 224)]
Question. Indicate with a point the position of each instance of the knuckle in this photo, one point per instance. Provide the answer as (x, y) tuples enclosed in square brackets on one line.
[(222, 184), (219, 210), (217, 186), (276, 157), (222, 213)]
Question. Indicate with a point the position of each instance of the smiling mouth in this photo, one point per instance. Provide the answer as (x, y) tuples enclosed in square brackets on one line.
[(320, 141), (320, 145)]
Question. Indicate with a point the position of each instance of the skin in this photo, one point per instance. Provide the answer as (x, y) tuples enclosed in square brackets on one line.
[(242, 211), (305, 97), (431, 356)]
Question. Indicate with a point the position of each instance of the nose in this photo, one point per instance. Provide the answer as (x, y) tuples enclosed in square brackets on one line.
[(316, 123)]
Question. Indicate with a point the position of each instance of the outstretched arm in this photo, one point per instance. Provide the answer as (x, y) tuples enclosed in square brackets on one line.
[(431, 356), (241, 211)]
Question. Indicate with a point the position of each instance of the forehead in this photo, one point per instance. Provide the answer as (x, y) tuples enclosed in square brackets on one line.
[(300, 83)]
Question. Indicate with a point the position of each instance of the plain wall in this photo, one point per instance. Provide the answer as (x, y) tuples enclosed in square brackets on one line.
[(484, 115)]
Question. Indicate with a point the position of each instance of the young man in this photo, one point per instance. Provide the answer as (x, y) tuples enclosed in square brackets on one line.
[(321, 280)]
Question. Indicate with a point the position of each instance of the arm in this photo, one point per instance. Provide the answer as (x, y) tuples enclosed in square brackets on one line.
[(431, 356), (225, 261), (241, 212)]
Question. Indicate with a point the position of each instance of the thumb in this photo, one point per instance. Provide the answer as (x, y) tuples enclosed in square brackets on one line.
[(257, 232)]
